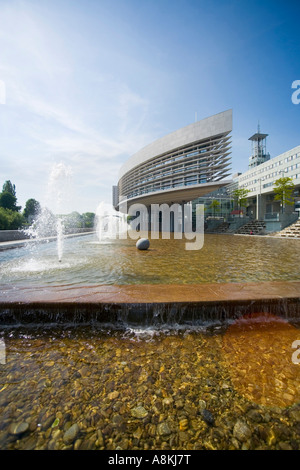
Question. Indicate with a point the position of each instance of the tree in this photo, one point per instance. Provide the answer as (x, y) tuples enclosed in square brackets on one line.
[(32, 208), (10, 220), (8, 187), (240, 195), (4, 222), (215, 206), (283, 189), (88, 219), (8, 201), (72, 220)]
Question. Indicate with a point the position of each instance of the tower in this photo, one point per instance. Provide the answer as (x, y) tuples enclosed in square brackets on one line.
[(259, 149)]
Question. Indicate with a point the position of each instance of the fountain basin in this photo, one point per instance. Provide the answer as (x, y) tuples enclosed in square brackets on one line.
[(110, 328), (148, 304), (111, 281)]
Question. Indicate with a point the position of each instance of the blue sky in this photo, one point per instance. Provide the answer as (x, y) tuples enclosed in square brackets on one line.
[(90, 82)]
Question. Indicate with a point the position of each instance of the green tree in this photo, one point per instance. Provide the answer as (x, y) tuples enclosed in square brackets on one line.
[(215, 206), (4, 222), (8, 201), (240, 196), (283, 189), (32, 208), (8, 187), (72, 220), (88, 219), (10, 220)]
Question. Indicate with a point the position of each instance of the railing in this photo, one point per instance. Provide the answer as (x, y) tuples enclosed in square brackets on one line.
[(272, 216)]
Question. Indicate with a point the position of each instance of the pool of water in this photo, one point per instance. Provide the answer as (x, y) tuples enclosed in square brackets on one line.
[(232, 386), (85, 261)]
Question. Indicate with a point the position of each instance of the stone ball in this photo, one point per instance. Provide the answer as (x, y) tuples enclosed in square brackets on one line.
[(143, 244)]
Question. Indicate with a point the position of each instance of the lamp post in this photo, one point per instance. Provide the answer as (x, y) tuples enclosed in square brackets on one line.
[(283, 194), (258, 201)]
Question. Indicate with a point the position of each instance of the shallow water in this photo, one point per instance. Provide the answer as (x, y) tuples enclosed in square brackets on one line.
[(96, 387), (227, 385), (85, 261)]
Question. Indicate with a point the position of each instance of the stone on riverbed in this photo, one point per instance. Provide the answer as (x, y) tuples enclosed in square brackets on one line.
[(139, 412), (71, 434), (18, 428)]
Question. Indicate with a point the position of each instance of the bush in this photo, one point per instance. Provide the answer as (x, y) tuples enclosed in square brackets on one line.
[(10, 220)]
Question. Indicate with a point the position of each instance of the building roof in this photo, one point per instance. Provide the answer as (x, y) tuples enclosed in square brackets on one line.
[(258, 136), (214, 125)]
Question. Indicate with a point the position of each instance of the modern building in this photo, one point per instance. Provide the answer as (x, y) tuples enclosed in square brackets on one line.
[(115, 196), (259, 149), (192, 164), (179, 167), (260, 181)]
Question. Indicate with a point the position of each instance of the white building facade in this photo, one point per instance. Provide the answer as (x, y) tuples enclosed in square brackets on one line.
[(260, 182)]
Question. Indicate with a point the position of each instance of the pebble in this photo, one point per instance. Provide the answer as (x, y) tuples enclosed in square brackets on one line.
[(48, 422), (208, 417), (202, 404), (113, 391), (255, 415), (241, 431), (71, 434), (163, 429), (183, 424), (113, 395), (139, 412), (284, 446), (18, 428)]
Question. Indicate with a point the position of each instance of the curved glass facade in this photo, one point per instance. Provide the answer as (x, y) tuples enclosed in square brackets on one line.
[(203, 157)]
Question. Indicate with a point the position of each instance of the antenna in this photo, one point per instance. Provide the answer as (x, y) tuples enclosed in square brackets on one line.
[(195, 116)]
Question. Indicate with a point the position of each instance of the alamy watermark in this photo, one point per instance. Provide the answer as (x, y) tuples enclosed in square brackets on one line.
[(296, 354), (158, 220), (2, 92), (296, 93)]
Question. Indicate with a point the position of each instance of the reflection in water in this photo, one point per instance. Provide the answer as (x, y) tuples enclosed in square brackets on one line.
[(86, 261), (97, 388)]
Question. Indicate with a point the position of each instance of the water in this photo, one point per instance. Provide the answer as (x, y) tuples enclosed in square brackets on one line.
[(147, 388), (109, 223), (48, 225), (205, 385), (87, 261)]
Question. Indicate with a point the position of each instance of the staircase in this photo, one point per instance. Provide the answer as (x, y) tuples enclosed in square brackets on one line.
[(223, 227), (292, 231), (255, 227)]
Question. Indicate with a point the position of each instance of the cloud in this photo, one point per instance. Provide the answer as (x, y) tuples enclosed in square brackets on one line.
[(55, 112)]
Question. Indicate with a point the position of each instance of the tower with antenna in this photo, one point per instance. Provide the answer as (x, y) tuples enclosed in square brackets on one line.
[(259, 149)]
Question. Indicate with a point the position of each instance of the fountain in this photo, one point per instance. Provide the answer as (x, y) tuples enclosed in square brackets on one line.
[(110, 224), (47, 225), (127, 349), (60, 238)]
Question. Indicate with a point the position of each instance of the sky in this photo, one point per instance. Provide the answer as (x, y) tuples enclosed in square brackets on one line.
[(84, 84)]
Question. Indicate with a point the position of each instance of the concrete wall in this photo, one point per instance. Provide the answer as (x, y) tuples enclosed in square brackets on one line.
[(11, 235)]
